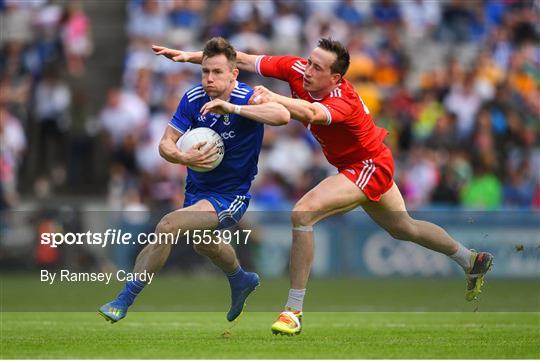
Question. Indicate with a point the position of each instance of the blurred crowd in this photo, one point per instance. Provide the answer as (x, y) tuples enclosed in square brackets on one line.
[(456, 82), (42, 46)]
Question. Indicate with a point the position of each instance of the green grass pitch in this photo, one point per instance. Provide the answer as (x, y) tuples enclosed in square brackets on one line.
[(401, 318), (326, 335)]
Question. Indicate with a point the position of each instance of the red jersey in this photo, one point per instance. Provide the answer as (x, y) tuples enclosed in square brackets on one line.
[(350, 136)]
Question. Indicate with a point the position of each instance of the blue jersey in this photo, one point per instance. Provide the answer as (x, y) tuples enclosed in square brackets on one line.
[(241, 136)]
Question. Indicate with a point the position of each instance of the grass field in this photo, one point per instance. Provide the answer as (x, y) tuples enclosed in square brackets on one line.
[(326, 335), (417, 327)]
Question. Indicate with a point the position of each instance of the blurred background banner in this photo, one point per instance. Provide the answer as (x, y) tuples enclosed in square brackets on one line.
[(353, 245), (350, 245), (84, 102)]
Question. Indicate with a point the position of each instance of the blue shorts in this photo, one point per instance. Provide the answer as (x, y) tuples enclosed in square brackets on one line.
[(229, 208)]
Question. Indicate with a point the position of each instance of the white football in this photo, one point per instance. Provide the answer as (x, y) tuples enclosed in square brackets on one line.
[(197, 135)]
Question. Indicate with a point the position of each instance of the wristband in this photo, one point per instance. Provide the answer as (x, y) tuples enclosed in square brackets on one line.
[(237, 109)]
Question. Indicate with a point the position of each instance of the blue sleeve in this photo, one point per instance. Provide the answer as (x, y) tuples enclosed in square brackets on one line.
[(182, 118)]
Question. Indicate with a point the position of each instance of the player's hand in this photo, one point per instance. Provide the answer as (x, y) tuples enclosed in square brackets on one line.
[(173, 54), (201, 155), (261, 95), (217, 106)]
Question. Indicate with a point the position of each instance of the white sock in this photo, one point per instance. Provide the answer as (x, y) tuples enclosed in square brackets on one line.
[(462, 257), (296, 299)]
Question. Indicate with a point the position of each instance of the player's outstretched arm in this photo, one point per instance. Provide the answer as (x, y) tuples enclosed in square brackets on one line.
[(179, 56), (270, 113), (246, 62), (200, 155), (243, 61), (299, 109)]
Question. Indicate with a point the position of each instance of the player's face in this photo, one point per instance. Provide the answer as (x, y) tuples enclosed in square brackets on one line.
[(318, 75), (217, 75)]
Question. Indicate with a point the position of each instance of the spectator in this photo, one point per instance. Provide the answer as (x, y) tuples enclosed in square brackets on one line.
[(15, 82), (351, 12), (76, 38), (429, 111), (16, 23), (48, 47), (217, 24), (501, 47), (488, 75), (147, 156), (464, 102), (243, 11), (387, 74), (13, 139), (420, 177), (269, 192), (494, 12), (52, 112), (249, 40), (124, 115), (135, 219), (324, 25), (444, 134), (149, 23), (185, 20), (290, 155), (421, 17), (484, 191), (457, 21), (12, 148), (518, 191), (447, 191), (286, 30), (386, 13)]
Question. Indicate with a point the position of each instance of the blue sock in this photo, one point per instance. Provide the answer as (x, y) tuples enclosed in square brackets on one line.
[(235, 276), (130, 291)]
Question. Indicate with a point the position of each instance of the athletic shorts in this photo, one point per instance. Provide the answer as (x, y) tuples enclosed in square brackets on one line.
[(229, 208), (374, 176)]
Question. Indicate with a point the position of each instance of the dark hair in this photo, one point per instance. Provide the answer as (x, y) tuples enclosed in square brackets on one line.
[(343, 59), (218, 46)]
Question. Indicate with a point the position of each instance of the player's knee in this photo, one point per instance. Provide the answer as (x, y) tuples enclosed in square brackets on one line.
[(303, 214), (165, 226), (404, 230)]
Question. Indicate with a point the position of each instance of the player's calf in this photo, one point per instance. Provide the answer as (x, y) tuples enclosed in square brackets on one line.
[(210, 250), (150, 259), (404, 230)]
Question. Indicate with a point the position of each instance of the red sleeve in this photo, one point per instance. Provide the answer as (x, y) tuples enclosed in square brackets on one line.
[(337, 109), (280, 67)]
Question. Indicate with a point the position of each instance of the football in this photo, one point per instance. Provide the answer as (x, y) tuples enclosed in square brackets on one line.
[(203, 134)]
